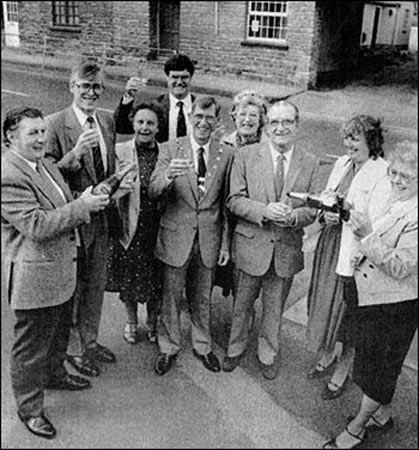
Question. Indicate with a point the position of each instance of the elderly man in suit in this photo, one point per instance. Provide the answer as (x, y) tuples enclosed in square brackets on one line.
[(191, 178), (81, 141), (176, 104), (38, 221), (267, 242)]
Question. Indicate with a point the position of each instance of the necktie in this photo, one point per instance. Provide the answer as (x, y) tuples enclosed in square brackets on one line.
[(181, 122), (279, 175), (202, 169), (97, 155)]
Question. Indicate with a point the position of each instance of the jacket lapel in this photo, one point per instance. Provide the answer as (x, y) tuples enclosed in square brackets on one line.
[(267, 171), (74, 130), (108, 138), (214, 159), (58, 179)]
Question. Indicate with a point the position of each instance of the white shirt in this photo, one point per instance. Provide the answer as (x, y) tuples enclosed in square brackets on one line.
[(174, 112), (195, 148), (82, 118), (287, 158)]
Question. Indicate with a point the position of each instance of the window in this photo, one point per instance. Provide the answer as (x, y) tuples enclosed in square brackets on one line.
[(267, 22), (12, 11), (65, 13)]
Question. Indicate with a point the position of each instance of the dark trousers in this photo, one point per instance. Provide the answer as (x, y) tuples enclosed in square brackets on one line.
[(41, 339)]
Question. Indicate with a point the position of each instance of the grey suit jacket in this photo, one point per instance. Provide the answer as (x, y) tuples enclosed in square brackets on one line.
[(255, 240), (184, 214), (63, 131), (38, 238)]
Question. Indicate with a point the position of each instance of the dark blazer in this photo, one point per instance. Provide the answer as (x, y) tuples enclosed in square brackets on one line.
[(123, 124), (38, 238), (252, 187), (186, 214), (63, 132)]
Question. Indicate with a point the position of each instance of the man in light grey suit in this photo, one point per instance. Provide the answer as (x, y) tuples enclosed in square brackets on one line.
[(191, 178), (81, 141), (267, 242), (38, 221)]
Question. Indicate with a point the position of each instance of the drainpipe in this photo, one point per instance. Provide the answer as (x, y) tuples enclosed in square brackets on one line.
[(216, 18)]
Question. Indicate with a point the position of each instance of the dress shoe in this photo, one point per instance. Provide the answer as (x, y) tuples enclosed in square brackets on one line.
[(330, 394), (39, 425), (210, 361), (231, 362), (100, 353), (374, 426), (152, 336), (68, 382), (84, 365), (164, 363), (269, 371)]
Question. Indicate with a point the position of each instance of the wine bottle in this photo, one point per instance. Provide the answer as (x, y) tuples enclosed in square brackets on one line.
[(111, 184), (333, 204)]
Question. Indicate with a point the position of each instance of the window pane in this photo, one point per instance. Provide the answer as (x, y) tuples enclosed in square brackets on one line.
[(266, 20)]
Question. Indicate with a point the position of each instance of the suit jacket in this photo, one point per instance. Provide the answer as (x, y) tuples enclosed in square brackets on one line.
[(388, 270), (252, 187), (124, 126), (184, 214), (63, 132), (38, 238)]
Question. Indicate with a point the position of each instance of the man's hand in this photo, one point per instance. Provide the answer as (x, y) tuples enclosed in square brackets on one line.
[(224, 258), (85, 142), (331, 218), (177, 168), (134, 84), (280, 213), (360, 224), (94, 202)]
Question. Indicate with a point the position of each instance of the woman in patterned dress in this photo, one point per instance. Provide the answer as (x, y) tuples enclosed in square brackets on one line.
[(133, 270)]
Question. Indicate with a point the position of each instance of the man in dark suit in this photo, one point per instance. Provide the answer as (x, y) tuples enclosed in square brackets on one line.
[(176, 104), (38, 221), (267, 242), (81, 141), (191, 178)]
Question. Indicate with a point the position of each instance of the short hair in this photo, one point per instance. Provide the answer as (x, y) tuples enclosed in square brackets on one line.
[(287, 103), (179, 62), (205, 103), (15, 116), (86, 69), (372, 130), (406, 153), (150, 104), (250, 97)]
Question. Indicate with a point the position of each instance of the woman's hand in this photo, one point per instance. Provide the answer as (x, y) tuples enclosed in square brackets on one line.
[(360, 224), (331, 218)]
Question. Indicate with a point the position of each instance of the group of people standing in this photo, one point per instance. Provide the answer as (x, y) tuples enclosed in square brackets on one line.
[(202, 208)]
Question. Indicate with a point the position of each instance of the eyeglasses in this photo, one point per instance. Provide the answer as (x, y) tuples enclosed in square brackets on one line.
[(403, 177), (201, 117), (85, 87), (286, 123)]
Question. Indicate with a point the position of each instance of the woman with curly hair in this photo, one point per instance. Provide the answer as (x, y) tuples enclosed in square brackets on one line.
[(331, 289)]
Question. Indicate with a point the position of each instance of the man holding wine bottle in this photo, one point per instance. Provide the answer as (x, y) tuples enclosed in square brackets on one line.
[(81, 140), (191, 177)]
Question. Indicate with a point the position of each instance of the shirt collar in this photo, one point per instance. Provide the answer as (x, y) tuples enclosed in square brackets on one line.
[(287, 155), (187, 101), (32, 164), (81, 116), (195, 146)]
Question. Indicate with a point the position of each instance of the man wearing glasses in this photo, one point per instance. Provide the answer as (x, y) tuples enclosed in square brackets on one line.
[(267, 241), (81, 140)]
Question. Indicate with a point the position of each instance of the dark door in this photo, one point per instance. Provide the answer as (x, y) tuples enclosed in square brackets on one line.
[(375, 27), (168, 20)]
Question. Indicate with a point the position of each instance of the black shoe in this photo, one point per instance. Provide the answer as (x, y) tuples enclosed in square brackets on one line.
[(164, 363), (84, 365), (39, 425), (68, 383), (270, 371), (330, 394), (100, 353), (231, 362), (210, 361)]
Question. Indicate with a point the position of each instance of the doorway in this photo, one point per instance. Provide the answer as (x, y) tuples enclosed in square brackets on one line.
[(164, 29)]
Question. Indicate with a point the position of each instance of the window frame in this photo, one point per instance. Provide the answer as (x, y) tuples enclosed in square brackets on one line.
[(70, 10), (265, 41)]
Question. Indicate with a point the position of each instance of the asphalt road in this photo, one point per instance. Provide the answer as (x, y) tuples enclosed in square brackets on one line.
[(131, 407)]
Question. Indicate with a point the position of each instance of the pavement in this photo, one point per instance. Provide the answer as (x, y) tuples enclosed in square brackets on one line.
[(398, 109)]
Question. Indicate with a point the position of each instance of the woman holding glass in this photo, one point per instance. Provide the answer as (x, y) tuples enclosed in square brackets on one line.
[(133, 270)]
